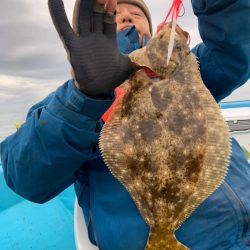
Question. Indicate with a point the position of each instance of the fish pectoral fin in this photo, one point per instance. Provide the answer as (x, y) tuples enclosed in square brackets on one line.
[(163, 239)]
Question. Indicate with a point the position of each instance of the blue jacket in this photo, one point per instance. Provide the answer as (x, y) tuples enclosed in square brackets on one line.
[(58, 146)]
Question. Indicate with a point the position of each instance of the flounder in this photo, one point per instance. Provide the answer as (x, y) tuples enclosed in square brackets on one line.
[(166, 140)]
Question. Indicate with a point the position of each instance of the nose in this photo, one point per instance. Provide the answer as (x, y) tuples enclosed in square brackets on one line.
[(126, 19)]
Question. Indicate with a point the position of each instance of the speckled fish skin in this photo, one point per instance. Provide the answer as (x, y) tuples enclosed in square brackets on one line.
[(166, 140)]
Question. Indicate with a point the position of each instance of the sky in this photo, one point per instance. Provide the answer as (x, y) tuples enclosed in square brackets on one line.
[(33, 61)]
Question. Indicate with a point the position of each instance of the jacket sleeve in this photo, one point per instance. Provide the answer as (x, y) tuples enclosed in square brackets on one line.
[(224, 55), (60, 134)]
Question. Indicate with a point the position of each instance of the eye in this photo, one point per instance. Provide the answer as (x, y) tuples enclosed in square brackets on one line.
[(136, 14)]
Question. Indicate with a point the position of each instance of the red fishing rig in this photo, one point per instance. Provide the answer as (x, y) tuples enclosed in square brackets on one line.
[(174, 11)]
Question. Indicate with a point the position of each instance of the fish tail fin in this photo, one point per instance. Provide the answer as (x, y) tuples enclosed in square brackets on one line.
[(162, 239)]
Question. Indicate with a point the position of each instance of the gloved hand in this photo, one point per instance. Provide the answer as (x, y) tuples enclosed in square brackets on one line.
[(98, 65)]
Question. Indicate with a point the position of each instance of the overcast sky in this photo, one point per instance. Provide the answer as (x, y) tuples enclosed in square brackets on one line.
[(33, 61)]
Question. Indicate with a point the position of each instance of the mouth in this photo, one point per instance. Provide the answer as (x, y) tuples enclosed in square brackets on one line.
[(125, 27)]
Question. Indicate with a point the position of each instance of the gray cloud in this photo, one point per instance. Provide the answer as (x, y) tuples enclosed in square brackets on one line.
[(30, 46)]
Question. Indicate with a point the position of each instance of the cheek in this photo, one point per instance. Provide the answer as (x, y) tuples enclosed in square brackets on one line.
[(118, 26), (117, 19), (143, 27), (143, 32)]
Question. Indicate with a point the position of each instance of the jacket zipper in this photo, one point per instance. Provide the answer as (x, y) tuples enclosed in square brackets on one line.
[(243, 212)]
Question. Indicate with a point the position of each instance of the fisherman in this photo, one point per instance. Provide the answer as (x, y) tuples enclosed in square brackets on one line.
[(58, 144)]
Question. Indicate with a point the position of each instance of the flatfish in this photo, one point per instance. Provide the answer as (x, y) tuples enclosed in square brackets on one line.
[(166, 140)]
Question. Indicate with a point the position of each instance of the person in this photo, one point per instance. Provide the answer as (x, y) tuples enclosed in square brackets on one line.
[(58, 144)]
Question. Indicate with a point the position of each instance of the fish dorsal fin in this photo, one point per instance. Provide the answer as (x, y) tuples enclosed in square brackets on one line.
[(218, 149)]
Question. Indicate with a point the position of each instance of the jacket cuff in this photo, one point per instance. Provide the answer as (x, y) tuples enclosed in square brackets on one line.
[(75, 100)]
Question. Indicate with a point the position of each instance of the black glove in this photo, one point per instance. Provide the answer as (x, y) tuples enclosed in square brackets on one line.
[(98, 66)]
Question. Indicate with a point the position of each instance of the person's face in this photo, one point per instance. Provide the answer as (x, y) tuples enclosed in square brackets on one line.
[(129, 15)]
